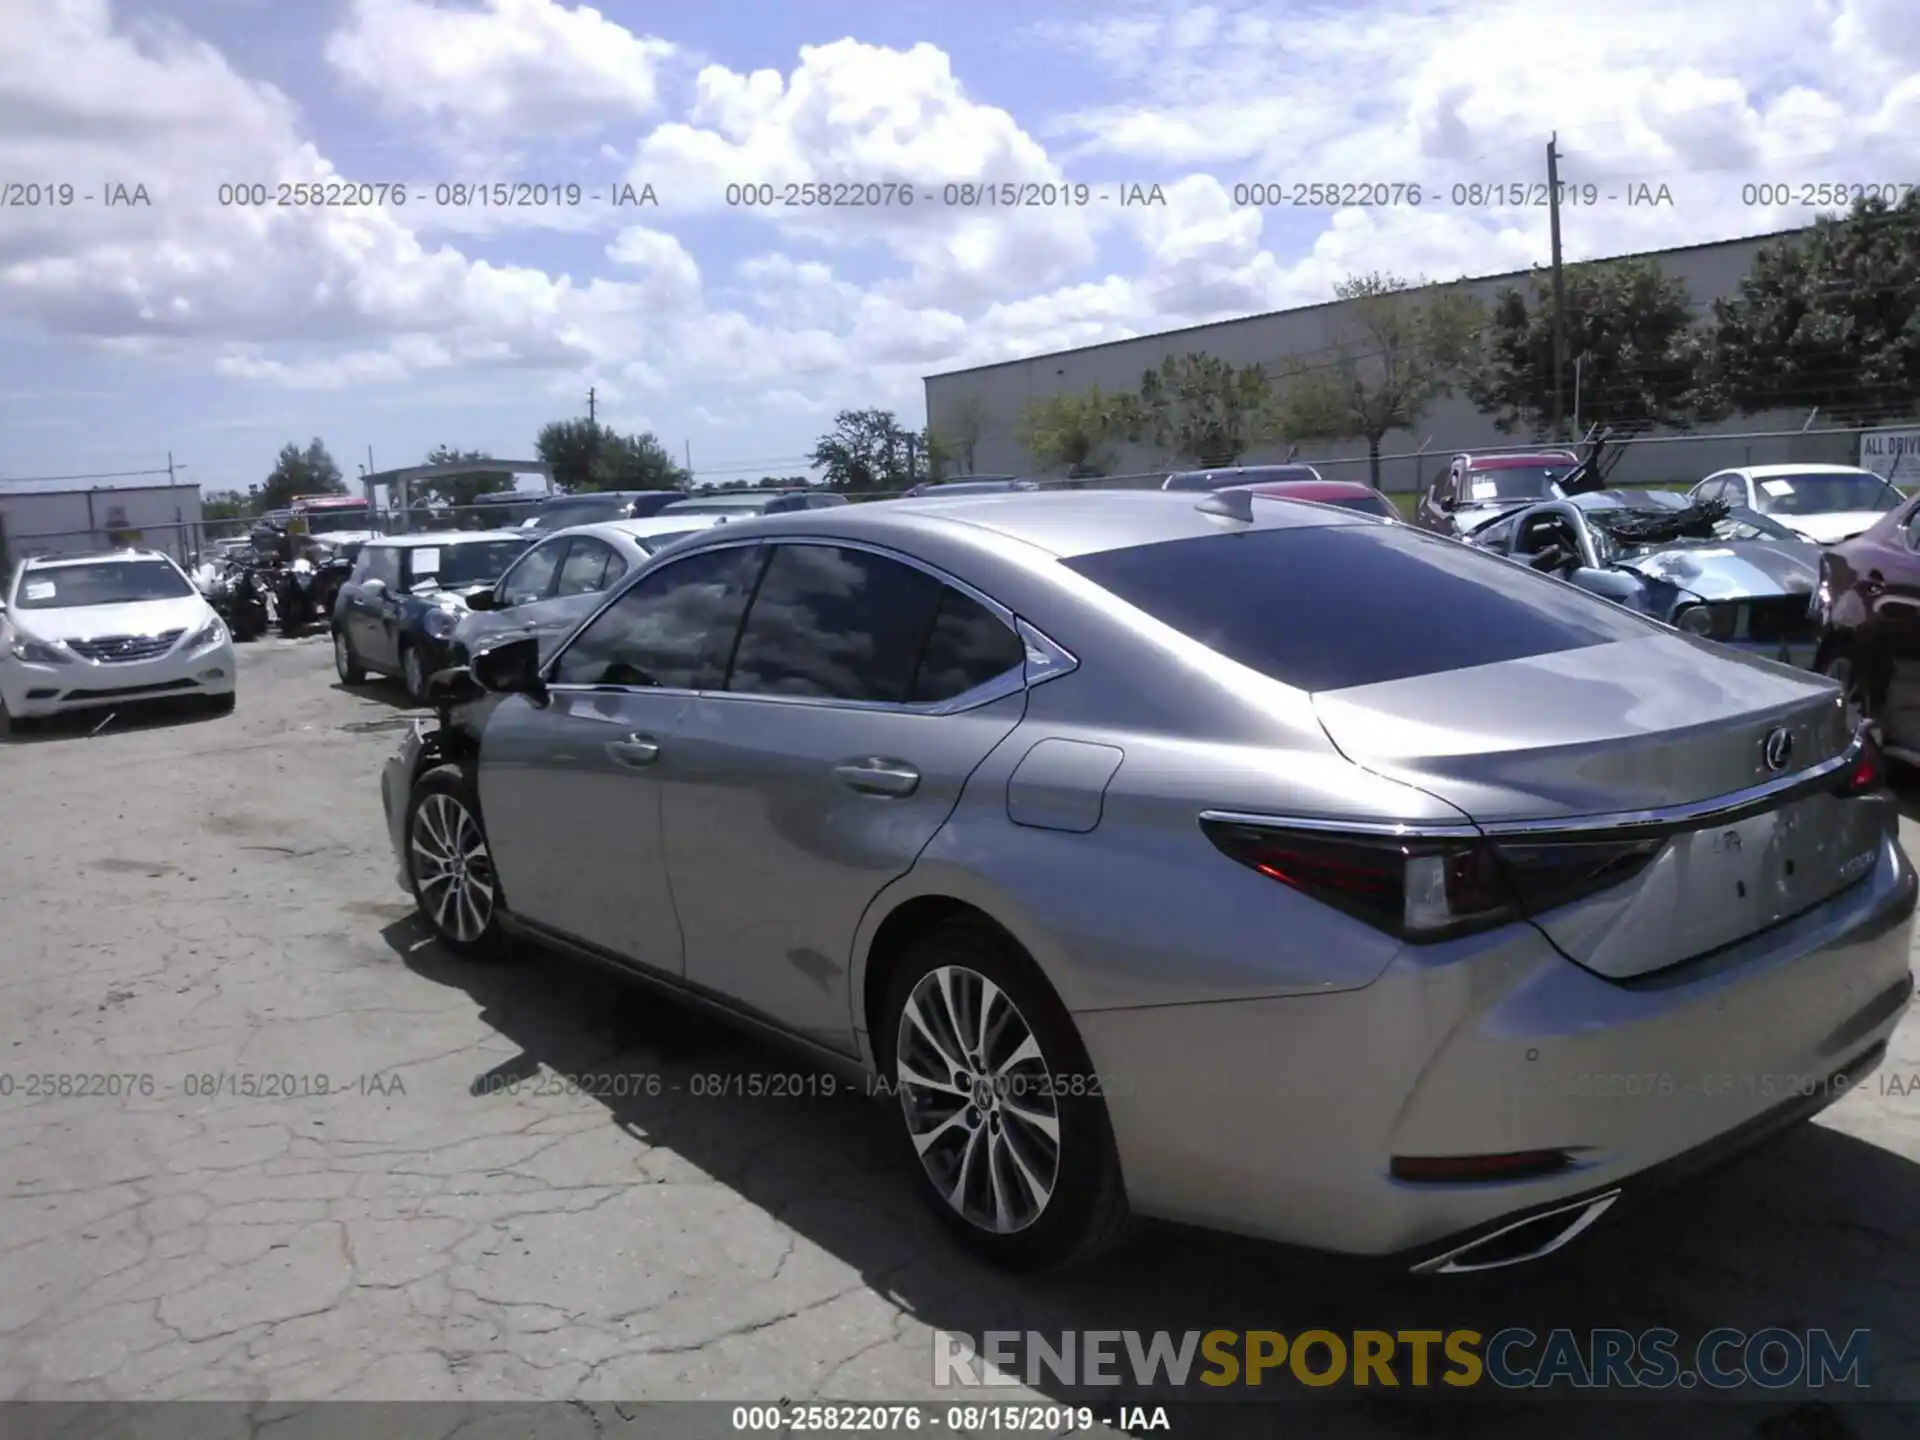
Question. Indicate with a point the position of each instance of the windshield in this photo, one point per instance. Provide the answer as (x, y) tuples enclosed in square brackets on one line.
[(479, 562), (347, 517), (110, 582), (1511, 482), (1817, 494)]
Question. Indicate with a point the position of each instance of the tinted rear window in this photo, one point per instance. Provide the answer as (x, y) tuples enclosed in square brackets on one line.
[(1336, 606)]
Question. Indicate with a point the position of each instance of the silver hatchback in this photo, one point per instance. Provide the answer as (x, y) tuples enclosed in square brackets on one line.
[(1240, 862)]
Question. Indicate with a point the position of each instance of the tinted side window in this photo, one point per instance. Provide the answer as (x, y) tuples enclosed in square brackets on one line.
[(585, 568), (1412, 604), (532, 575), (968, 646), (673, 628), (834, 623)]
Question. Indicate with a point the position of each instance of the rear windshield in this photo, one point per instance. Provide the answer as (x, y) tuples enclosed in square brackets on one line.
[(1330, 607), (583, 512)]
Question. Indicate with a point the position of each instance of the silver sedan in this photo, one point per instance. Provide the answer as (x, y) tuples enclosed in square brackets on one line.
[(1235, 861)]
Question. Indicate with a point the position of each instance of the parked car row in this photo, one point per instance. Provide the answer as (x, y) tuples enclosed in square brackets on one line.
[(1060, 822)]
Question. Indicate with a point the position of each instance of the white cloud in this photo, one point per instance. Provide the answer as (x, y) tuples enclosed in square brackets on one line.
[(865, 300), (507, 68), (890, 128)]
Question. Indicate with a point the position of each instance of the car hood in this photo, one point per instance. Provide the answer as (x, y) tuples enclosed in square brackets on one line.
[(86, 622), (1834, 526), (1732, 570)]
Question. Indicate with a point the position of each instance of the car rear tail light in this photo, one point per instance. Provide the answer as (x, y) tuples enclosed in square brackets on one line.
[(1465, 1169), (1426, 890), (1869, 772)]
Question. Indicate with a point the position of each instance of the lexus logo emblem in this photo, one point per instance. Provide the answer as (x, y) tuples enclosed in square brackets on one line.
[(1777, 749)]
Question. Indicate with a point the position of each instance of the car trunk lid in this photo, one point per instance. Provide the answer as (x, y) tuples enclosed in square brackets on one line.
[(1586, 742)]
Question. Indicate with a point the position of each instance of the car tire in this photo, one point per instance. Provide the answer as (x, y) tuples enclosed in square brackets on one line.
[(413, 672), (442, 825), (346, 664), (11, 724), (1061, 1200)]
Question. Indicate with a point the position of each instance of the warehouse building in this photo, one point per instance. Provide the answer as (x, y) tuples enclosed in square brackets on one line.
[(984, 404), (67, 521)]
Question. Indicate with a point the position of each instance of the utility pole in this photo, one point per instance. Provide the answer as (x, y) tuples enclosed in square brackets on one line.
[(913, 474), (591, 411), (687, 446), (1559, 289)]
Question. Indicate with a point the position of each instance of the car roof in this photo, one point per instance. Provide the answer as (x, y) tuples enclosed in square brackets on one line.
[(1514, 462), (633, 529), (1061, 523), (590, 497), (738, 497), (442, 537), (1763, 472), (1314, 489), (87, 557)]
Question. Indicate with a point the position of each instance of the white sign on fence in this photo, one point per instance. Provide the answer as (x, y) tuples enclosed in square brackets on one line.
[(1896, 445)]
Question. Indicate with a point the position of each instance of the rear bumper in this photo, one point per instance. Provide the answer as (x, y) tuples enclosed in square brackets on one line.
[(1279, 1117), (396, 787), (34, 691)]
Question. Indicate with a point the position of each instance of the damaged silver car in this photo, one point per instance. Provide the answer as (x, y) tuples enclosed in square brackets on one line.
[(1724, 574)]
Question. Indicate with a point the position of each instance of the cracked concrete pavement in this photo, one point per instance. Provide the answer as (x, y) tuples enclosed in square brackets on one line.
[(191, 897)]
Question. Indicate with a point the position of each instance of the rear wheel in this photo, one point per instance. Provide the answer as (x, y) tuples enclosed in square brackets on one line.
[(999, 1105), (345, 663), (449, 865)]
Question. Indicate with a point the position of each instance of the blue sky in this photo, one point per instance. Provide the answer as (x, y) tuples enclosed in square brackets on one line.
[(219, 335)]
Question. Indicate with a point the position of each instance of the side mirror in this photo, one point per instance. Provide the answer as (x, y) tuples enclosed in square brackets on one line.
[(1447, 502), (484, 600), (512, 668)]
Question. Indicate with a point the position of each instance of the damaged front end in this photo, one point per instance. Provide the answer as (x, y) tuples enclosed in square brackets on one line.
[(1721, 575)]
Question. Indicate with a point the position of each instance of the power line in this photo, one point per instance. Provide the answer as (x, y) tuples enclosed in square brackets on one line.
[(101, 475)]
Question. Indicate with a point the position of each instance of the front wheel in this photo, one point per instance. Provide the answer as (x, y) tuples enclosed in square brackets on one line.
[(999, 1105), (449, 866), (346, 664)]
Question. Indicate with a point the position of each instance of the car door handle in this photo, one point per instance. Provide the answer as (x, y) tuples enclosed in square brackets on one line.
[(634, 751), (876, 776)]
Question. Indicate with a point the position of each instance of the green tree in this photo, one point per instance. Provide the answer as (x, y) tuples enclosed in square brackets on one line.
[(585, 455), (1398, 356), (869, 451), (461, 489), (1631, 339), (228, 504), (963, 431), (1075, 430), (1831, 318), (311, 471), (1201, 409)]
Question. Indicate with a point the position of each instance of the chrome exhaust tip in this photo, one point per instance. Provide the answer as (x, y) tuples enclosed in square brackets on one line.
[(1523, 1241)]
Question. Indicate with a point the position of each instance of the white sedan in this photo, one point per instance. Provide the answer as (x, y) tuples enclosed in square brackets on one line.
[(83, 632), (1825, 503), (563, 579)]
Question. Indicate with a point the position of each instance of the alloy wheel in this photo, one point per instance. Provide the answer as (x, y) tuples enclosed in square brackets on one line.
[(979, 1099), (452, 868)]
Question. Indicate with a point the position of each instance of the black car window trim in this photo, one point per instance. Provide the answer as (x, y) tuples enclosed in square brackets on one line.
[(1017, 678)]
